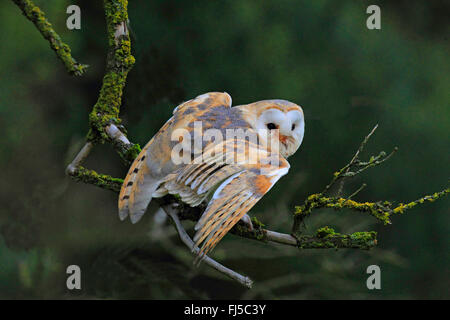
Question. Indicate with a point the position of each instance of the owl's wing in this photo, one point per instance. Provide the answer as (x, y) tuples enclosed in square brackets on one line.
[(204, 101), (153, 164), (239, 186), (138, 187)]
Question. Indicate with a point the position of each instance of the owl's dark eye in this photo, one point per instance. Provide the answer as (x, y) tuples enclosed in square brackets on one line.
[(271, 126), (293, 126)]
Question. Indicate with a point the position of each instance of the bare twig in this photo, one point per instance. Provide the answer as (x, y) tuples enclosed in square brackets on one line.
[(79, 158), (360, 149), (357, 191), (245, 281), (355, 166), (115, 134)]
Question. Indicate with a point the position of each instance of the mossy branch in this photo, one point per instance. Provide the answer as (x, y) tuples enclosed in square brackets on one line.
[(119, 63), (326, 238), (62, 50), (103, 181), (332, 240), (381, 210)]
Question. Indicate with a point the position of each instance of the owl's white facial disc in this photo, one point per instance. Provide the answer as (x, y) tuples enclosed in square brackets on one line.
[(286, 127), (297, 126)]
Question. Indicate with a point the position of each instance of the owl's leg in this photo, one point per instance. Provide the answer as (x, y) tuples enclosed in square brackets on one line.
[(248, 221)]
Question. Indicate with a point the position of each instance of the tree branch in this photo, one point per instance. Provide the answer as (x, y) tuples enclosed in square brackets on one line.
[(62, 50), (119, 62), (105, 127), (79, 158), (104, 181)]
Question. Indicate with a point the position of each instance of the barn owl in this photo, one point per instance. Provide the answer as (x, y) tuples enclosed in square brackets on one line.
[(230, 188)]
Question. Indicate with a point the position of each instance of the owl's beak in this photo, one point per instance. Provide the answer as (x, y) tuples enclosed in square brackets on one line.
[(283, 138)]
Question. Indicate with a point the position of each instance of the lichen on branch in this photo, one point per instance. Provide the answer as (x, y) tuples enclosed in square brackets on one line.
[(62, 50), (380, 210), (103, 181), (326, 238), (119, 63)]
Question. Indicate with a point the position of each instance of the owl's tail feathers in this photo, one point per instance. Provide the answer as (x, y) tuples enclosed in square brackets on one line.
[(136, 192)]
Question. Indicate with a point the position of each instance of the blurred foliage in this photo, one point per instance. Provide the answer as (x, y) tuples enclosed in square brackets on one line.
[(318, 54)]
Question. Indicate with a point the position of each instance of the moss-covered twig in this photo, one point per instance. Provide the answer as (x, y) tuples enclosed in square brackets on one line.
[(381, 210), (119, 63), (400, 208), (103, 181), (36, 15), (324, 238)]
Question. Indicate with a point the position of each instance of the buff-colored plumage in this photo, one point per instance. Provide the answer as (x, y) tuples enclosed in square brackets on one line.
[(232, 188)]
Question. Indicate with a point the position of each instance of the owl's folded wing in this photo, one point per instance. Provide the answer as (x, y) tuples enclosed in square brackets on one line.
[(240, 185)]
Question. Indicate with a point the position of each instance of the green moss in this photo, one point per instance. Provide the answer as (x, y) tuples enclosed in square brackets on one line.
[(241, 230), (256, 223), (325, 232), (363, 236), (365, 240), (133, 152), (380, 210), (429, 198), (120, 61), (177, 197), (318, 201), (327, 238), (100, 180), (116, 13)]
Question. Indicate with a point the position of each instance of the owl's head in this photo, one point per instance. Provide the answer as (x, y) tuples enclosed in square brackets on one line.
[(278, 122)]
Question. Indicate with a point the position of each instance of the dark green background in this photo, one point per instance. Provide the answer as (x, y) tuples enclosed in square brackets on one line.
[(318, 54)]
